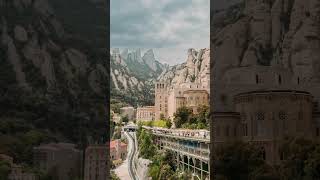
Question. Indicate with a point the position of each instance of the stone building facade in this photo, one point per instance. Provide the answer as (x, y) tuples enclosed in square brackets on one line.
[(146, 113), (61, 159), (263, 105), (169, 99), (17, 171), (128, 111), (118, 150), (96, 158)]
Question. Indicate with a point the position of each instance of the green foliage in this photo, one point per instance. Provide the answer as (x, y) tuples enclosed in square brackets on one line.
[(157, 123), (117, 133), (5, 170), (182, 115), (299, 155), (125, 119), (184, 118), (162, 166), (114, 176), (147, 149), (236, 161)]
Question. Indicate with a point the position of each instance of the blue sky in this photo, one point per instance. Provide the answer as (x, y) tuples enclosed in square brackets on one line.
[(169, 27)]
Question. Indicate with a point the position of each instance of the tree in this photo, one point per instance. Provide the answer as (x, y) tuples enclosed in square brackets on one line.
[(125, 119), (297, 157), (168, 123), (182, 115), (147, 147), (4, 170), (237, 160), (203, 114), (162, 117), (312, 164)]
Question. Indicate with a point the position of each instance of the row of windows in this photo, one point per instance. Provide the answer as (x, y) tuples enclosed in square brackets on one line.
[(259, 80), (160, 85), (260, 116)]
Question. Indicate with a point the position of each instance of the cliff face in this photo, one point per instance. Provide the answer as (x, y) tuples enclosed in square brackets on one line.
[(195, 69), (51, 77), (133, 76), (266, 33)]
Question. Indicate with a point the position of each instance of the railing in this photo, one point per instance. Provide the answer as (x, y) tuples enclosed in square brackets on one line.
[(199, 135), (201, 153)]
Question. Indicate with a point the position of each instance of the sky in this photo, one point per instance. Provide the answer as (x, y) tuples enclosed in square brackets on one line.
[(170, 27)]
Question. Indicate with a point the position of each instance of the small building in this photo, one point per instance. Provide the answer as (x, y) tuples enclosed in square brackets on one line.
[(17, 171), (96, 158), (116, 118), (146, 113), (118, 150), (128, 111), (61, 159)]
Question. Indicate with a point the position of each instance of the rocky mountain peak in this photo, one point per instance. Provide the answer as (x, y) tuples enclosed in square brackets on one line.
[(149, 59)]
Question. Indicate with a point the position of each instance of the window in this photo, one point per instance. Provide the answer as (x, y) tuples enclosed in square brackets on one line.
[(260, 124), (317, 132), (245, 129), (227, 131), (257, 79), (279, 79), (298, 80), (263, 153)]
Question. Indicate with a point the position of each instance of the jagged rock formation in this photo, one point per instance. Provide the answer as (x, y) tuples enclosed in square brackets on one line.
[(133, 76), (64, 77), (270, 32), (277, 37), (195, 69)]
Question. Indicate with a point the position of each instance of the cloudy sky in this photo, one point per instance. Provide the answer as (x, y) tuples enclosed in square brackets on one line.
[(169, 27)]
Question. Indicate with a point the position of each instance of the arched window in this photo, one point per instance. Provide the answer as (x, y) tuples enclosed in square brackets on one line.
[(283, 118), (260, 124), (245, 129), (279, 79), (264, 155)]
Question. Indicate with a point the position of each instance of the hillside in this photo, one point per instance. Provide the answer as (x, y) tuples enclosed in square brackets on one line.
[(53, 81), (133, 76), (265, 33), (195, 69)]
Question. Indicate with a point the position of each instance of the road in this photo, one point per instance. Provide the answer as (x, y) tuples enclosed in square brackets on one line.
[(132, 151)]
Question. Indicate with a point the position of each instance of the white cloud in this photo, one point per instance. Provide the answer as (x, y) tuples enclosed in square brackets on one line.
[(172, 24)]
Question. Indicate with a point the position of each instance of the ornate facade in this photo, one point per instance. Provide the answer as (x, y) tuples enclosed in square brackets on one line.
[(263, 105), (169, 98)]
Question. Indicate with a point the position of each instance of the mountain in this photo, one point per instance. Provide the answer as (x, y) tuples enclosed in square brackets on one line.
[(133, 76), (54, 74), (195, 69), (284, 32)]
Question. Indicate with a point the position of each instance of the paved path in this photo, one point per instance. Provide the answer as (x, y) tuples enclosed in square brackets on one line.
[(122, 171)]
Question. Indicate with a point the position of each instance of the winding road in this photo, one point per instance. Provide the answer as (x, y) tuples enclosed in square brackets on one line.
[(132, 152)]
